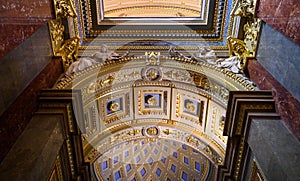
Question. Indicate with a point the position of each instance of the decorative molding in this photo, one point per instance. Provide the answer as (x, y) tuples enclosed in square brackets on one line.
[(91, 26), (242, 107), (255, 173), (67, 103), (199, 141), (152, 58)]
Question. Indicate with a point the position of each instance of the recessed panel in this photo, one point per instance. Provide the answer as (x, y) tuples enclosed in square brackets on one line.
[(152, 102), (116, 107), (189, 107)]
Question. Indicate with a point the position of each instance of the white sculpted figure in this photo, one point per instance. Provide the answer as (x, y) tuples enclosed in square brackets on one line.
[(80, 65), (232, 64), (205, 54), (98, 57)]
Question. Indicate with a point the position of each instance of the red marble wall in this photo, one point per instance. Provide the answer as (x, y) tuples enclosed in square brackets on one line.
[(14, 120), (283, 15), (20, 19), (287, 106)]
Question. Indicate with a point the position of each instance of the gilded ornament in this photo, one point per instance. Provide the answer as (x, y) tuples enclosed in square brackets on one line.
[(191, 139), (152, 58), (134, 132), (57, 35), (152, 74), (107, 81), (190, 106), (69, 51), (238, 48), (65, 9), (252, 30), (152, 101), (246, 9), (167, 131), (152, 131), (114, 106)]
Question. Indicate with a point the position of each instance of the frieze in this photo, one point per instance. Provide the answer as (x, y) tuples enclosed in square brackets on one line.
[(185, 64)]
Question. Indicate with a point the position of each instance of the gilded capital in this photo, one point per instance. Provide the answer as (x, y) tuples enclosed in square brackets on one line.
[(64, 9)]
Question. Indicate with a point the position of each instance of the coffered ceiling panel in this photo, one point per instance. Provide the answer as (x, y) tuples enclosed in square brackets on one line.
[(155, 23)]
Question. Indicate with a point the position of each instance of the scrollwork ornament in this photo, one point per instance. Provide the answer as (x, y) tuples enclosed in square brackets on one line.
[(65, 9), (57, 35), (69, 51), (246, 9), (238, 48), (251, 36)]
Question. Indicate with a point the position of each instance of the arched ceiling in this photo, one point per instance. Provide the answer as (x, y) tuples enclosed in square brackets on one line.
[(156, 99), (148, 160)]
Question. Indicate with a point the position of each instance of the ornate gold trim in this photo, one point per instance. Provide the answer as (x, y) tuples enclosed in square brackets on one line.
[(246, 47), (69, 51), (256, 174), (242, 108), (56, 29), (64, 9)]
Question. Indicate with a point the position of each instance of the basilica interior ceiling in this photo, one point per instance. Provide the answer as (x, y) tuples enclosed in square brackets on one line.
[(152, 113), (154, 24), (153, 116)]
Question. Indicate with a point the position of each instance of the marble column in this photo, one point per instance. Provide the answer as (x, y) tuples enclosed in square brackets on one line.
[(276, 150), (33, 155), (287, 105), (24, 71), (20, 19), (283, 15)]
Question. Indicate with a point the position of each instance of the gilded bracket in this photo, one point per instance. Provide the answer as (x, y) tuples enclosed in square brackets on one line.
[(69, 51), (238, 48), (247, 47)]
